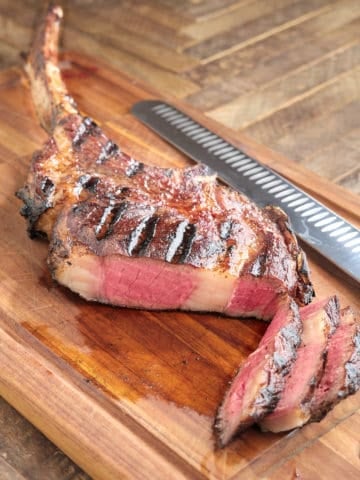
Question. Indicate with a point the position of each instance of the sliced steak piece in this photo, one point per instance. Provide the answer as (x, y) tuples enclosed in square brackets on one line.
[(341, 376), (129, 234), (320, 321), (256, 389)]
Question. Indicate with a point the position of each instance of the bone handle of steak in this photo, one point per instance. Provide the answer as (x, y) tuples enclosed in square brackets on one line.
[(52, 102)]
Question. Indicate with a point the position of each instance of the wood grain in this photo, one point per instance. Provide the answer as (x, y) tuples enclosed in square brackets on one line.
[(133, 373)]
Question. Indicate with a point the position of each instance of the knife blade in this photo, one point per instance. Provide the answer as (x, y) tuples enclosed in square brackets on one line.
[(318, 226)]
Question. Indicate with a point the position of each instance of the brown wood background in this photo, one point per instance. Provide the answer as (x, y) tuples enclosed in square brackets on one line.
[(284, 72)]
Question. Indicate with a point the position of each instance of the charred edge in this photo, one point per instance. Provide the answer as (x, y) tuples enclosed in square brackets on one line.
[(35, 207), (47, 186), (314, 382), (142, 235), (280, 367), (283, 222), (258, 267), (229, 251), (110, 217), (187, 242), (134, 168), (108, 150), (90, 183), (267, 399), (87, 127), (332, 310), (352, 381), (32, 213), (304, 290)]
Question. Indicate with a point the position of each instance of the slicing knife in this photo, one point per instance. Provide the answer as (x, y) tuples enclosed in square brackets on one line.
[(326, 232)]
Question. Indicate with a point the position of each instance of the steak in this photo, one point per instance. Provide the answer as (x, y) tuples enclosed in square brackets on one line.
[(320, 321), (341, 376), (129, 234), (256, 389)]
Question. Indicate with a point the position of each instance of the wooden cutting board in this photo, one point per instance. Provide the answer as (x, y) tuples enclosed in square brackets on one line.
[(127, 392)]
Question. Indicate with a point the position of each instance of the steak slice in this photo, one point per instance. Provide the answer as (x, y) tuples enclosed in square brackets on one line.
[(320, 321), (130, 234), (256, 389), (341, 376)]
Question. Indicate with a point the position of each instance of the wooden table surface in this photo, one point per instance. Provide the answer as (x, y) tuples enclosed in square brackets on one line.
[(285, 72)]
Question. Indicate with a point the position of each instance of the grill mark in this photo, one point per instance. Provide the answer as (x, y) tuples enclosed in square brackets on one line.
[(229, 253), (112, 214), (134, 168), (139, 235), (352, 381), (188, 240), (117, 214), (258, 267), (109, 149), (86, 127), (332, 310), (89, 182), (146, 235), (47, 186), (176, 240)]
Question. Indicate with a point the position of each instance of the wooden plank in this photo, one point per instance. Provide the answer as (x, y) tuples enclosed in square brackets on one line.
[(343, 12), (9, 55), (261, 64), (351, 181), (202, 9), (132, 42), (164, 15), (144, 20), (15, 20), (292, 88), (324, 160), (166, 81), (245, 11), (7, 472), (334, 95), (311, 137), (221, 45)]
